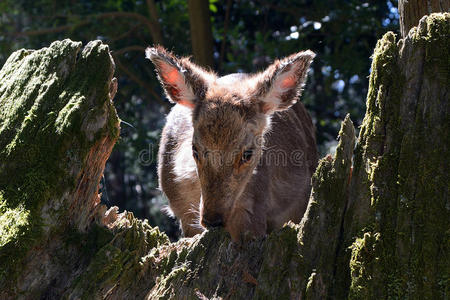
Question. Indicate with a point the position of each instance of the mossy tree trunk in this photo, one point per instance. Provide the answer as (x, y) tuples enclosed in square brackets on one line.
[(397, 219), (379, 232)]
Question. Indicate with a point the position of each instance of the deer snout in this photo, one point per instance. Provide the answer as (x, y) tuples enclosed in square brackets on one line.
[(212, 220)]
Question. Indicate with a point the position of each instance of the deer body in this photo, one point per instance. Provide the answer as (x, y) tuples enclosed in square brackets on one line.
[(236, 151)]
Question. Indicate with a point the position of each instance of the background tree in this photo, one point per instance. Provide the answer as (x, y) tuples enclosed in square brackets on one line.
[(201, 32), (246, 36)]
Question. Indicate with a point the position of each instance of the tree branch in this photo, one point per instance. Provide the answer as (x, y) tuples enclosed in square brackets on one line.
[(125, 34), (48, 30), (156, 36)]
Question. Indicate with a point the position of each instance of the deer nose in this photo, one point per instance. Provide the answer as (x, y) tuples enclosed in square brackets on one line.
[(215, 220)]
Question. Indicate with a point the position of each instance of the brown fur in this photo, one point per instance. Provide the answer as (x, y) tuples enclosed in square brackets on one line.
[(223, 119)]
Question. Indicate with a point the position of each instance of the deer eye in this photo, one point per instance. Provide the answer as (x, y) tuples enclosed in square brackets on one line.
[(246, 156), (194, 152)]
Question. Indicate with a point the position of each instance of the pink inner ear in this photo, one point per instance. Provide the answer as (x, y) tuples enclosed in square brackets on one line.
[(171, 76), (288, 82)]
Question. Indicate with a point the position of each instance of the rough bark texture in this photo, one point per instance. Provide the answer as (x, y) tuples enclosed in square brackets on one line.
[(398, 207), (411, 11), (382, 232)]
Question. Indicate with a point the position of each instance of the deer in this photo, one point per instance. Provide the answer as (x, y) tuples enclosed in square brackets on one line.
[(236, 151)]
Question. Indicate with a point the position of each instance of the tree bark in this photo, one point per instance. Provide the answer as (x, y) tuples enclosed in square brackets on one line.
[(201, 32), (398, 198), (378, 232), (411, 11)]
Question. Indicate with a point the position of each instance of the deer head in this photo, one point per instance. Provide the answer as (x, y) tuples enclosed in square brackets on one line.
[(230, 116)]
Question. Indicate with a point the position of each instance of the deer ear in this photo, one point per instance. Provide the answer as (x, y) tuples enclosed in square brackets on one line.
[(280, 85), (183, 82)]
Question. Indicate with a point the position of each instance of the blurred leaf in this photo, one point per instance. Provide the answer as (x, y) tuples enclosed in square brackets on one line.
[(213, 8)]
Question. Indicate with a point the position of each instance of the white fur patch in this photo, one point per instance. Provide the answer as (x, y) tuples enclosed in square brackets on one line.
[(185, 167)]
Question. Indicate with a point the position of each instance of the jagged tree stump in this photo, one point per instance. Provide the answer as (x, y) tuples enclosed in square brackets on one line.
[(382, 232)]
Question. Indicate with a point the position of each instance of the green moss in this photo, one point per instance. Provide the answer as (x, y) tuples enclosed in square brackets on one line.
[(176, 274), (282, 267), (381, 121), (362, 263), (433, 35), (13, 222), (402, 251), (310, 292), (385, 88), (113, 123), (423, 185), (87, 243), (45, 96), (120, 258)]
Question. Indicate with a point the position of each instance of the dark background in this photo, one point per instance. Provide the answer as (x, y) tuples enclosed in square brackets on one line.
[(246, 37)]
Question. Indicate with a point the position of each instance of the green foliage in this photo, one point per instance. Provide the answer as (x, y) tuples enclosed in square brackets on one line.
[(13, 222), (342, 33)]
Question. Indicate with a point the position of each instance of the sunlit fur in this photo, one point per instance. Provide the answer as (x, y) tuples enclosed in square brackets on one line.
[(222, 117)]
